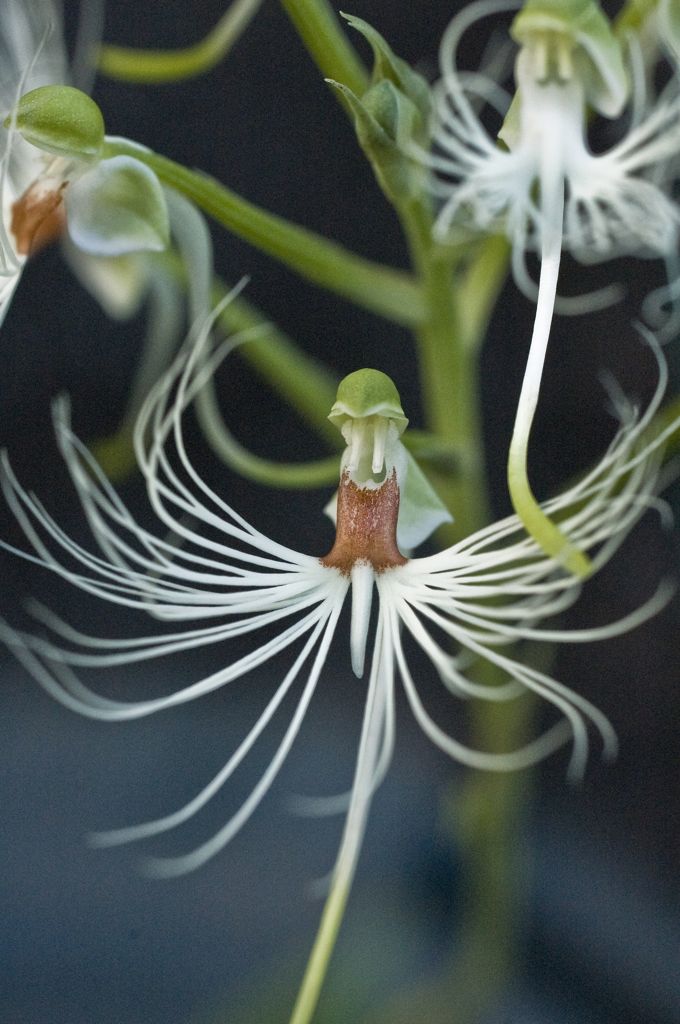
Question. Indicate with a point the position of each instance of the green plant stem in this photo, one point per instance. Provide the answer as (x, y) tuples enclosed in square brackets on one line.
[(380, 289), (479, 288), (449, 375), (320, 31), (130, 64), (315, 971)]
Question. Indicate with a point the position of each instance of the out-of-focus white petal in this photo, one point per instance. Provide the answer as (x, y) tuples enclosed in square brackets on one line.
[(117, 207)]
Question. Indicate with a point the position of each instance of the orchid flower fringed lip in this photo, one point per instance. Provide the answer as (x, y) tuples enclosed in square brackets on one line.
[(210, 576)]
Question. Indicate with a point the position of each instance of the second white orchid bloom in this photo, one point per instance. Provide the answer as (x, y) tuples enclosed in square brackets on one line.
[(111, 206), (544, 187)]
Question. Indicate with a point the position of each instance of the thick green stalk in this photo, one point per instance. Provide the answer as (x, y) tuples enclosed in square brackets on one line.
[(383, 290), (449, 375)]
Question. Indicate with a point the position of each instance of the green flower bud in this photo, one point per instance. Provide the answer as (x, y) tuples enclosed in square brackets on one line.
[(394, 111), (61, 120), (384, 120)]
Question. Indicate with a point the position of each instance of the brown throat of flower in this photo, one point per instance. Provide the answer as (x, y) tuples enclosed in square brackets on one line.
[(38, 218), (366, 529)]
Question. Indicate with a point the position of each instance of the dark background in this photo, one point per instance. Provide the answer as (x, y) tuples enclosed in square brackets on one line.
[(82, 937)]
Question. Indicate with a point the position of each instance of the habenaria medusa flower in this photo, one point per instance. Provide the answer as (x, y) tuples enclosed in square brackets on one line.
[(537, 180), (211, 576)]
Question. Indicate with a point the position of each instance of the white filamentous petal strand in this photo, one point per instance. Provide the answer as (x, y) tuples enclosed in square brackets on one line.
[(362, 578)]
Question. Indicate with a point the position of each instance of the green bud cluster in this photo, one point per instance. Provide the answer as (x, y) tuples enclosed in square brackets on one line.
[(393, 111)]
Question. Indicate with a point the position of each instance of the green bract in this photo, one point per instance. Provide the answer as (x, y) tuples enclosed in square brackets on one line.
[(387, 66), (385, 119), (367, 393), (61, 120), (596, 51)]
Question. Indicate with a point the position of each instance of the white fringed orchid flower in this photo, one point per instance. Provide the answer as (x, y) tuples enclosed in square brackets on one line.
[(211, 577), (543, 186), (53, 179), (30, 56)]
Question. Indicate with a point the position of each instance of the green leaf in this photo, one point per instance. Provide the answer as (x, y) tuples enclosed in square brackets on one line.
[(61, 120), (117, 207)]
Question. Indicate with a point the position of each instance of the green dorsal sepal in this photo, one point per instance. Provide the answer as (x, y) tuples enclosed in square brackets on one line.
[(367, 393), (60, 119)]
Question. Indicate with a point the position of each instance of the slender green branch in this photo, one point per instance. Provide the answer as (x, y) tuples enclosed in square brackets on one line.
[(448, 366), (383, 290), (320, 31), (479, 288), (315, 971), (131, 64), (291, 475)]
